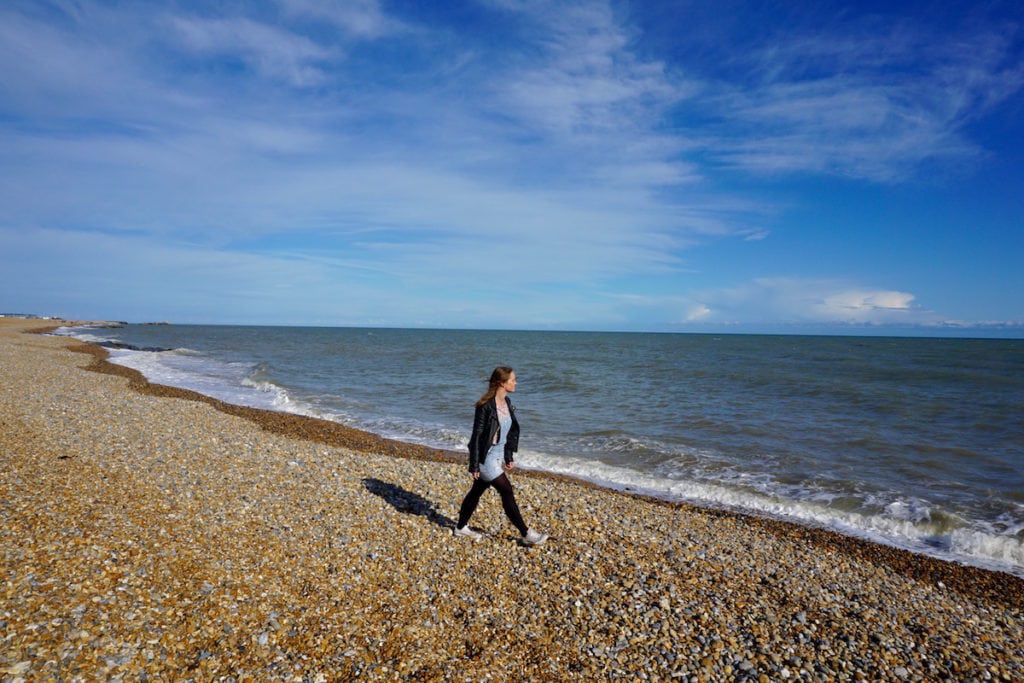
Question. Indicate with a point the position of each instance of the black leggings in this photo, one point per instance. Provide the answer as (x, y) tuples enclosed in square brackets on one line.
[(508, 501)]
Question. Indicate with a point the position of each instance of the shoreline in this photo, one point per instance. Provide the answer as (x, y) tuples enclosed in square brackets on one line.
[(975, 540), (981, 582), (169, 538)]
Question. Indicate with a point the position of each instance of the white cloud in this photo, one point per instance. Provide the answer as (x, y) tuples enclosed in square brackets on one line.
[(860, 302), (587, 93), (51, 72), (359, 18), (790, 304), (698, 312), (872, 106), (809, 300), (273, 52)]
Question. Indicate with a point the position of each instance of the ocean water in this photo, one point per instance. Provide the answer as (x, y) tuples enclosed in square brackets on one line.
[(915, 443)]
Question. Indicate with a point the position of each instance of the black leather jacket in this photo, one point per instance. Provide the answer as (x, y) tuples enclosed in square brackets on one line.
[(486, 427)]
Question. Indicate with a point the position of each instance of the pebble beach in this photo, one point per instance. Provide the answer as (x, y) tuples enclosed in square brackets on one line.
[(153, 534)]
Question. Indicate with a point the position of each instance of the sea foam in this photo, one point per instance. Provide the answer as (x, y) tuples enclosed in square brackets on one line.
[(903, 524)]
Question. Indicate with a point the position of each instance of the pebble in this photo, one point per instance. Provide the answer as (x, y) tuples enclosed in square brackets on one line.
[(145, 537)]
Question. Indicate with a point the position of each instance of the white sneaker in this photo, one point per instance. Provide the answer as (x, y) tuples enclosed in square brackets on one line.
[(533, 538), (466, 532)]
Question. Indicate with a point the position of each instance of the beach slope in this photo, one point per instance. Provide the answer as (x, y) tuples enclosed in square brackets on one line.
[(146, 537)]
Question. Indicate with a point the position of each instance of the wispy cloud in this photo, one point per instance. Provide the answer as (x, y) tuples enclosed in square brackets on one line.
[(203, 162), (584, 90), (871, 105), (589, 82), (350, 149), (272, 52), (359, 18)]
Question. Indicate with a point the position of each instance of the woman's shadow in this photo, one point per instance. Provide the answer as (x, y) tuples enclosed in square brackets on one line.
[(408, 502)]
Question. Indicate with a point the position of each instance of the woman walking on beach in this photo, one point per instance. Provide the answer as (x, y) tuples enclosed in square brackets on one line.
[(491, 447)]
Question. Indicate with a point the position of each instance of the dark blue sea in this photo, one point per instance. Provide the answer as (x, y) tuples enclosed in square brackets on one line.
[(912, 442)]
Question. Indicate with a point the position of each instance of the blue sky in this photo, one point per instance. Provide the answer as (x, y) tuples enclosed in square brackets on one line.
[(845, 167)]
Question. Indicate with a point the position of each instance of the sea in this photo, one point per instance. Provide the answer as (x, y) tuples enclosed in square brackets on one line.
[(916, 443)]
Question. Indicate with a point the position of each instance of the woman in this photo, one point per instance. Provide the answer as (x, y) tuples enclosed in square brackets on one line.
[(495, 438)]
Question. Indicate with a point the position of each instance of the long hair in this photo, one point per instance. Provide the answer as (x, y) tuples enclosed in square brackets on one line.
[(498, 377)]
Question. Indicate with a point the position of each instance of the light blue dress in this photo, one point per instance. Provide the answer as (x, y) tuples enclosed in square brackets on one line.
[(493, 465)]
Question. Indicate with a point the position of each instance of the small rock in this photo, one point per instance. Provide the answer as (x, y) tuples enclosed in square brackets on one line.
[(17, 669)]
